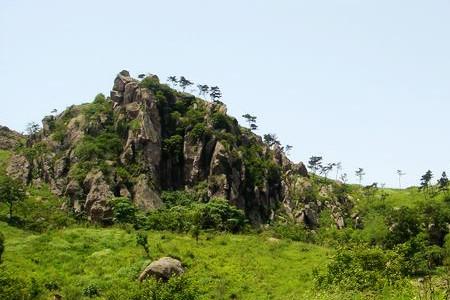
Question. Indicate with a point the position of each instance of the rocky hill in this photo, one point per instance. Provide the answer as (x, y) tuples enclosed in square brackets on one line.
[(9, 139), (147, 137)]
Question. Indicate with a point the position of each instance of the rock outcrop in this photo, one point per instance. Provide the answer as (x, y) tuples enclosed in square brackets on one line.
[(9, 139), (162, 269), (146, 138)]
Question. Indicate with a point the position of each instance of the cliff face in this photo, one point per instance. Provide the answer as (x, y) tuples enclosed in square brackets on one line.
[(146, 138)]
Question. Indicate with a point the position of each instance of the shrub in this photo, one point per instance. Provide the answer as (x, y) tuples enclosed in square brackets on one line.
[(142, 240), (362, 269), (403, 224), (220, 121), (220, 215), (123, 210), (176, 198), (177, 288), (91, 291)]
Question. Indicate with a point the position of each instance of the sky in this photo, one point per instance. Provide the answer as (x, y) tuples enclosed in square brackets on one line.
[(362, 82)]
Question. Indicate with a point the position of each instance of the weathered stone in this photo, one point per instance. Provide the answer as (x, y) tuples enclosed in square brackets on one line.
[(98, 197), (163, 269), (144, 196), (19, 168)]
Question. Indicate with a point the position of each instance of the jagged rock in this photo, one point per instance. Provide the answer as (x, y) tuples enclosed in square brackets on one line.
[(144, 196), (145, 120), (163, 269), (9, 139), (98, 197), (19, 168)]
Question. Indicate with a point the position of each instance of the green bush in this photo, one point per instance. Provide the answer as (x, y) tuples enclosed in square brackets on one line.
[(177, 198), (91, 291), (177, 288), (221, 121), (123, 211), (362, 269)]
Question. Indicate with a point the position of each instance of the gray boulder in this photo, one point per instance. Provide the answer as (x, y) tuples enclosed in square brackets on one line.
[(162, 269)]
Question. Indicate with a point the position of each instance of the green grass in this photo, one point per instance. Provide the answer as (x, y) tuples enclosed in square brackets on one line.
[(222, 265)]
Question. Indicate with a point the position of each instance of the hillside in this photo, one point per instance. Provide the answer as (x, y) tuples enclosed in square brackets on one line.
[(148, 138), (105, 189)]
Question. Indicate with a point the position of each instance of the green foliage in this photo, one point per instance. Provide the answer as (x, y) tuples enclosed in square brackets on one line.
[(177, 288), (142, 240), (220, 215), (178, 198), (173, 147), (123, 211), (184, 211), (221, 121), (11, 191), (361, 269), (105, 146), (91, 291)]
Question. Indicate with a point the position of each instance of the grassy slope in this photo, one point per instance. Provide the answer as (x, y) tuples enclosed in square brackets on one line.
[(223, 266), (247, 266)]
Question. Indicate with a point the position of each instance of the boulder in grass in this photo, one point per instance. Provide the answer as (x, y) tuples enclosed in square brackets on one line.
[(162, 269)]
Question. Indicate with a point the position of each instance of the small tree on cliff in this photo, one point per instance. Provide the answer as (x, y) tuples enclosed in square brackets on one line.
[(173, 80), (184, 83), (425, 183), (203, 89), (251, 120), (315, 163), (443, 183), (271, 139), (215, 93), (11, 191), (360, 174)]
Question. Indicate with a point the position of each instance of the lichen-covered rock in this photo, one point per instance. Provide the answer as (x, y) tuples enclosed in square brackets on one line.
[(145, 197), (98, 198), (163, 269)]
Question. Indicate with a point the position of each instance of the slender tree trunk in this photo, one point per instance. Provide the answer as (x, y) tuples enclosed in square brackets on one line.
[(10, 210)]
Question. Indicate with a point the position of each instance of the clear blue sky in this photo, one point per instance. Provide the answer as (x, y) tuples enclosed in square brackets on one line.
[(363, 82)]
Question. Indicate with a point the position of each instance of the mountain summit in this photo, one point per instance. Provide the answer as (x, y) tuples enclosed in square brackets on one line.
[(147, 138)]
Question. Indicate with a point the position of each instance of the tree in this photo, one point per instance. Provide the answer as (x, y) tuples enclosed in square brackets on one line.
[(142, 240), (173, 80), (315, 163), (288, 149), (324, 170), (11, 191), (338, 169), (203, 89), (425, 182), (251, 120), (184, 83), (215, 93), (400, 173), (123, 210), (271, 139), (344, 178), (443, 182), (360, 174), (54, 111), (32, 129)]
